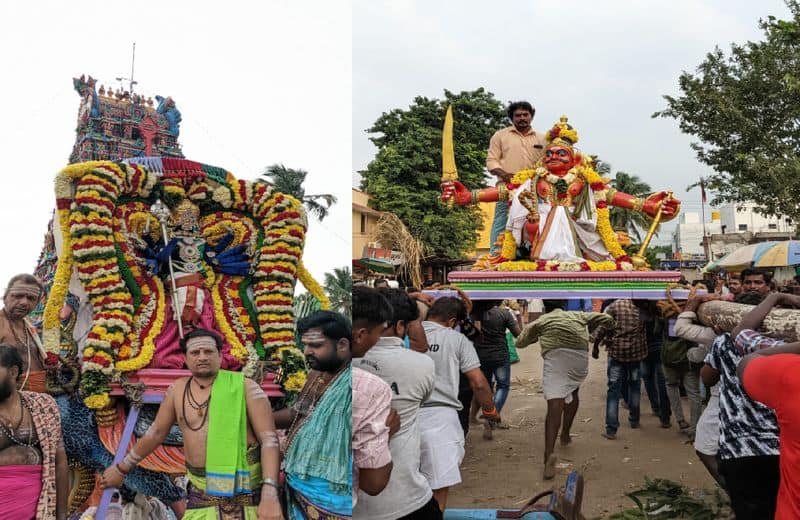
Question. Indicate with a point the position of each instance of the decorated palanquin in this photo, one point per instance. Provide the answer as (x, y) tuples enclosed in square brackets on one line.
[(149, 248), (558, 236)]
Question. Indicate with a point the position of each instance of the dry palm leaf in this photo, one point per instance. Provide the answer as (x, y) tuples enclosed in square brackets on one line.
[(393, 234)]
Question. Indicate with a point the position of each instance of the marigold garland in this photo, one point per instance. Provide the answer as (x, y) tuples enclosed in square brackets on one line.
[(312, 286), (125, 324), (600, 191)]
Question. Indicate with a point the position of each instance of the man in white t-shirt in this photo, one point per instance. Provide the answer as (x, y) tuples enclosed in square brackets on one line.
[(410, 376), (442, 439)]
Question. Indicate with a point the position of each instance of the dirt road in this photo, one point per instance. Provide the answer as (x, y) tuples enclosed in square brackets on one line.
[(507, 471)]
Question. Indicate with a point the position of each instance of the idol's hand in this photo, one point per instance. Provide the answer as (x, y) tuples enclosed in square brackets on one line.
[(457, 192), (670, 206)]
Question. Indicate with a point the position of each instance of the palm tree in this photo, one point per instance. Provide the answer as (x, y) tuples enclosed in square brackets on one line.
[(339, 286), (290, 181), (633, 222)]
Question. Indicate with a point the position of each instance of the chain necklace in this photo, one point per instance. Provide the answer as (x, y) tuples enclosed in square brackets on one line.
[(26, 344), (306, 413), (200, 408), (9, 431)]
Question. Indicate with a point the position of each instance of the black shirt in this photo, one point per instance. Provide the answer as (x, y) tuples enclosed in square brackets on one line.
[(491, 345)]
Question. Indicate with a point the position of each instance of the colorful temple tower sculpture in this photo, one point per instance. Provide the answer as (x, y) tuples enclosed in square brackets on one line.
[(114, 125), (144, 245)]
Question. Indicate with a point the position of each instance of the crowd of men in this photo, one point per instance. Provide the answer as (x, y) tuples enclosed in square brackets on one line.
[(742, 418), (238, 466)]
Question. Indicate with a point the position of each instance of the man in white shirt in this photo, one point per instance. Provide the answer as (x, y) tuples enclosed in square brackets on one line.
[(442, 439), (410, 376)]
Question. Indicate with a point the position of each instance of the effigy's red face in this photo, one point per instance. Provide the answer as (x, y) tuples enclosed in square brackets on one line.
[(558, 160)]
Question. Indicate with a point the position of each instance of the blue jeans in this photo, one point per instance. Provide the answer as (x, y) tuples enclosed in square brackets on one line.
[(499, 378), (498, 225), (655, 384), (619, 374)]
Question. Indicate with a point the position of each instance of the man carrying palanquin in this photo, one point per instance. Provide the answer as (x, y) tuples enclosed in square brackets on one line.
[(317, 455), (229, 439)]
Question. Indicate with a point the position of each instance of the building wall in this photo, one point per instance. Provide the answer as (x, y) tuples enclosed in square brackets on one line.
[(364, 222), (688, 235), (733, 220)]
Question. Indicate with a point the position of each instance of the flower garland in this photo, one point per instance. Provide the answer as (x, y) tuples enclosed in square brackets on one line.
[(91, 232), (152, 317), (604, 229), (284, 224), (599, 188), (314, 288)]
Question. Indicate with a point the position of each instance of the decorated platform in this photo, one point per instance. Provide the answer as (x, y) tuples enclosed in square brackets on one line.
[(490, 285)]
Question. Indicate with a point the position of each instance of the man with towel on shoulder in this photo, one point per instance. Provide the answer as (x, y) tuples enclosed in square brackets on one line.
[(564, 338), (229, 439)]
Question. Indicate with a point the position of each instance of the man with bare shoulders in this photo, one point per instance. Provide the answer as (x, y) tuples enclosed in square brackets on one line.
[(317, 454), (20, 298), (229, 438), (34, 476)]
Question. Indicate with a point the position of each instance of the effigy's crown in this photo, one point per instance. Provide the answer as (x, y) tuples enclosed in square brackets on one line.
[(562, 134)]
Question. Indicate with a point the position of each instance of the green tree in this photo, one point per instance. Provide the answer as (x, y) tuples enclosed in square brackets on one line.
[(404, 176), (634, 222), (339, 287), (290, 181), (744, 109)]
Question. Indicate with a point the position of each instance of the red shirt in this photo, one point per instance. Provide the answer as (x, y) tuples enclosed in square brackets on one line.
[(775, 381)]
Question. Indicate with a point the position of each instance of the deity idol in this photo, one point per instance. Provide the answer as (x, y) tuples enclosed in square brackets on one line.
[(558, 211)]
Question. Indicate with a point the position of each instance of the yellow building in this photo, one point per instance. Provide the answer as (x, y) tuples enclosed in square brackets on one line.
[(365, 220)]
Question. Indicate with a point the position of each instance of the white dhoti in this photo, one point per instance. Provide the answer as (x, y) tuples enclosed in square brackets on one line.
[(564, 371)]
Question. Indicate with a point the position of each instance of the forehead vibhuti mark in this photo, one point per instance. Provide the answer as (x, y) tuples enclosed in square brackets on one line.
[(200, 343), (313, 337), (25, 290)]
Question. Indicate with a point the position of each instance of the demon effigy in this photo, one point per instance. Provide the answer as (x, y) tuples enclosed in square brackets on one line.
[(559, 212)]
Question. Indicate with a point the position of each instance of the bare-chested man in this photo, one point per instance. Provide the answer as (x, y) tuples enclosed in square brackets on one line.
[(34, 477), (224, 419), (20, 298)]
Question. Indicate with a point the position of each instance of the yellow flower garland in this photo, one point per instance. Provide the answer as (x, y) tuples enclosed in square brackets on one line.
[(149, 342), (312, 286), (51, 334), (604, 229)]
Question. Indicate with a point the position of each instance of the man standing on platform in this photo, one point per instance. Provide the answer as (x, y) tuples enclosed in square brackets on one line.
[(229, 439), (512, 149), (20, 298)]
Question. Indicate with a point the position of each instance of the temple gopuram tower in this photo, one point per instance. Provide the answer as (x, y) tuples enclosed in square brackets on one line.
[(114, 125)]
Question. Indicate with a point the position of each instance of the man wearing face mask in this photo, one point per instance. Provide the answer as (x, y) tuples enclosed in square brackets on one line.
[(34, 477), (20, 298), (317, 455)]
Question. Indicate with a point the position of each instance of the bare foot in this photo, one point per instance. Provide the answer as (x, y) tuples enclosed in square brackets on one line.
[(487, 431), (550, 467)]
